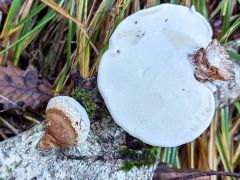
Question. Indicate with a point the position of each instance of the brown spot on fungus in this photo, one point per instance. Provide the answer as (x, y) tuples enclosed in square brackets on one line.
[(62, 116)]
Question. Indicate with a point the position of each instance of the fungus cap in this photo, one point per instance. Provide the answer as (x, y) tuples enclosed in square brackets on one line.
[(147, 80), (75, 112)]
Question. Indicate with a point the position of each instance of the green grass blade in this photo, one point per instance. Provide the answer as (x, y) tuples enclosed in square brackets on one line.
[(34, 12), (174, 1), (105, 43), (216, 10), (69, 48), (157, 2), (170, 156), (173, 156), (223, 141), (225, 126), (227, 8), (233, 55), (122, 12), (70, 34), (202, 8), (237, 105), (223, 155), (236, 156), (165, 157), (29, 36), (230, 31), (98, 18), (178, 162), (10, 17)]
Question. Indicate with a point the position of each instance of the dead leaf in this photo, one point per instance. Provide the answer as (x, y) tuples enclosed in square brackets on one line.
[(22, 89), (212, 63), (4, 6)]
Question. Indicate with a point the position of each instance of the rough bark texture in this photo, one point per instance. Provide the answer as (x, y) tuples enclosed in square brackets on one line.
[(227, 92), (97, 158)]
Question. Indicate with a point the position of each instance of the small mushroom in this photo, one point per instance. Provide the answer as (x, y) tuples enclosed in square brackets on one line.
[(147, 80), (67, 124)]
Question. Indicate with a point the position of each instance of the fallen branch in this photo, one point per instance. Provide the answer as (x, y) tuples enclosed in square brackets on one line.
[(208, 173), (97, 158), (164, 171)]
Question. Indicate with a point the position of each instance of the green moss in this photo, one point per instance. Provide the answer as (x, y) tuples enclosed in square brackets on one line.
[(88, 101), (147, 156)]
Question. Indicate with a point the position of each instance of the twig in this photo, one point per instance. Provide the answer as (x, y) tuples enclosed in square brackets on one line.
[(13, 129), (10, 101), (3, 135), (207, 173)]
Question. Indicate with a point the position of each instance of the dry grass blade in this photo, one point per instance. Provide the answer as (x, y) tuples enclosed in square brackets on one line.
[(203, 160), (65, 14), (212, 152), (83, 54), (13, 129), (3, 135), (30, 118)]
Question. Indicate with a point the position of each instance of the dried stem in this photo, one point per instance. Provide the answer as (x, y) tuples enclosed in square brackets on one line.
[(13, 129), (208, 173)]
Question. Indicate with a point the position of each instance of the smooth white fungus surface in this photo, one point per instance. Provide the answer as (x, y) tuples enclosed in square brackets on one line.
[(147, 80), (72, 109)]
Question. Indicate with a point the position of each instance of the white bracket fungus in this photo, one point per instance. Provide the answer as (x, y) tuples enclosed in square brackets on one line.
[(147, 80)]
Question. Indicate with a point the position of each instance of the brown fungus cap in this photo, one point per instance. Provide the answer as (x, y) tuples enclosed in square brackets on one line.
[(67, 123)]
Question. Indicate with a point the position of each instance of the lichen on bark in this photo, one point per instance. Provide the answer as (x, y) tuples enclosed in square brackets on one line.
[(97, 158)]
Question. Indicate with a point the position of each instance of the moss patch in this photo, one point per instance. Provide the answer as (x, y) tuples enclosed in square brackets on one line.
[(147, 156), (90, 101)]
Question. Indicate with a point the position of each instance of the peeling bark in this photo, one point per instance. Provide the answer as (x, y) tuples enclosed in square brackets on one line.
[(227, 92), (214, 68), (212, 63)]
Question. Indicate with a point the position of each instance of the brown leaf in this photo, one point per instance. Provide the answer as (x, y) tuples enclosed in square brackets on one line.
[(212, 63), (23, 89), (4, 5)]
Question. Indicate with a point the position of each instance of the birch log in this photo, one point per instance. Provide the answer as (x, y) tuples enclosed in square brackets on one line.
[(227, 92), (97, 158)]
